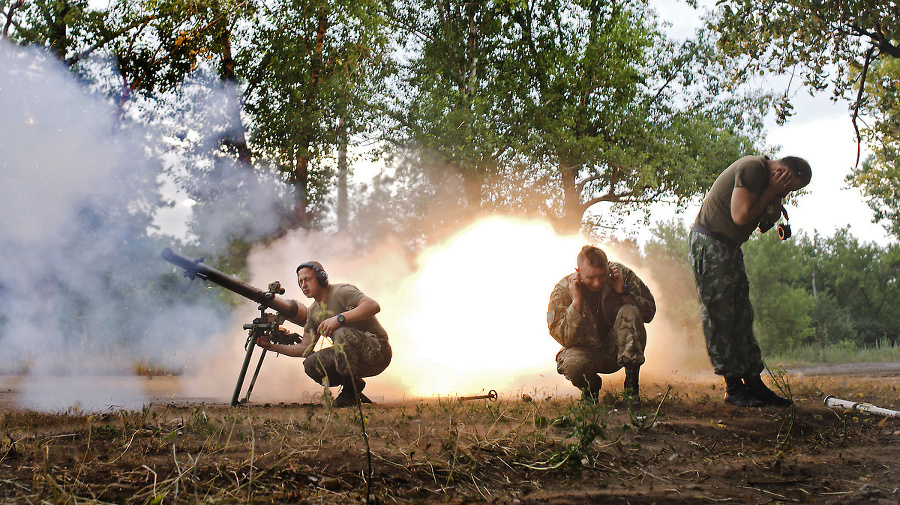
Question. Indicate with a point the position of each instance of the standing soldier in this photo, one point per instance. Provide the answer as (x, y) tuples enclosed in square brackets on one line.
[(344, 314), (748, 191), (597, 314)]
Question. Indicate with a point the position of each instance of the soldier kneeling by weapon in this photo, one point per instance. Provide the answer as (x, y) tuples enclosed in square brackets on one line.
[(344, 314)]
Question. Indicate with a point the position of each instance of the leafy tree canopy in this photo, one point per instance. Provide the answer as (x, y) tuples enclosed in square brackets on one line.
[(553, 107), (826, 42)]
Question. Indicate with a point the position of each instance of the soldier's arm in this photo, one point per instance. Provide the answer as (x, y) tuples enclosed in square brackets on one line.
[(365, 309), (300, 350), (639, 295), (563, 318), (747, 207)]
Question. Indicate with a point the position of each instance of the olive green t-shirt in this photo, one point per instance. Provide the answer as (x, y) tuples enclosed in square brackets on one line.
[(751, 172), (341, 298)]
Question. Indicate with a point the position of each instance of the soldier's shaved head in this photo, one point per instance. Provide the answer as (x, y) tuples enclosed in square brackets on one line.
[(593, 256), (799, 167)]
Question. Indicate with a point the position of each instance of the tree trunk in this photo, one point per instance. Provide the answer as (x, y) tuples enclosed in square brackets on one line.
[(9, 17), (235, 138), (572, 209), (342, 212), (55, 15), (300, 177), (300, 180)]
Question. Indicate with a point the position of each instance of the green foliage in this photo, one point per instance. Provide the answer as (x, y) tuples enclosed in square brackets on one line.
[(863, 280), (312, 72), (157, 44), (845, 351), (779, 292), (879, 175), (806, 292), (583, 419), (154, 44), (825, 42), (544, 108), (66, 28), (782, 385), (831, 323)]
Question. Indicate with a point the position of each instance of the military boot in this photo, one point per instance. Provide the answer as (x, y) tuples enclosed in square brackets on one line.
[(758, 389), (591, 392), (736, 393), (632, 372), (351, 396), (631, 390)]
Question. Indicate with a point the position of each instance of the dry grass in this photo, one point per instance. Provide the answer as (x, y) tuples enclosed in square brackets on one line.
[(688, 447)]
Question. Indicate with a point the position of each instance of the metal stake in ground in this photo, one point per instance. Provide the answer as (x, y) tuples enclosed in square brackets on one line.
[(492, 396)]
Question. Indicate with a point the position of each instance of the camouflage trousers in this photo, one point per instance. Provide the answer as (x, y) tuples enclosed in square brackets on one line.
[(725, 307), (624, 345), (354, 353)]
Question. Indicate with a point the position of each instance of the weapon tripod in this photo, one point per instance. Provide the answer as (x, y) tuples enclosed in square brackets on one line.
[(268, 324)]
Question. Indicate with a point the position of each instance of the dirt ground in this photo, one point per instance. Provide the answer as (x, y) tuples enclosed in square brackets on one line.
[(682, 444)]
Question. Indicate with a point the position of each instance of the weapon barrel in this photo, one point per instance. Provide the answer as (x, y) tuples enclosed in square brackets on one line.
[(195, 268), (868, 408)]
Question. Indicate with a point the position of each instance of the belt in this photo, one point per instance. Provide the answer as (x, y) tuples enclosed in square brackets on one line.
[(721, 237)]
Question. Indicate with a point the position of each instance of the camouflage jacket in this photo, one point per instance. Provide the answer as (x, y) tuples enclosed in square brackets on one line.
[(572, 328)]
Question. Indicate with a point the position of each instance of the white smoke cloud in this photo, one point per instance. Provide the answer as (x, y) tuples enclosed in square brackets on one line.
[(56, 146), (79, 187), (65, 164)]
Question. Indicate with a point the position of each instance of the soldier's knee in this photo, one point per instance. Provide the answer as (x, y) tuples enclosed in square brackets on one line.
[(574, 372), (580, 377), (574, 364), (342, 335), (314, 368), (628, 313)]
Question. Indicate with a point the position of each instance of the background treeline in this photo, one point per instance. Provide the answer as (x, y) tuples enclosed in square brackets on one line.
[(808, 291), (542, 107), (260, 110)]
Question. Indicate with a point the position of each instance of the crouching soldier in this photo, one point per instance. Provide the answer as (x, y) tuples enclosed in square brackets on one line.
[(344, 314), (597, 314)]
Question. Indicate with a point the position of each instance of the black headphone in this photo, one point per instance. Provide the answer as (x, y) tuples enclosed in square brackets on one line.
[(321, 275)]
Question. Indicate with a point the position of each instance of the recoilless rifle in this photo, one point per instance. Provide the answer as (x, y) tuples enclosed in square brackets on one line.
[(268, 324)]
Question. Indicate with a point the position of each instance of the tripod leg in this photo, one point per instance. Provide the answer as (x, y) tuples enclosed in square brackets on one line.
[(240, 381), (253, 380)]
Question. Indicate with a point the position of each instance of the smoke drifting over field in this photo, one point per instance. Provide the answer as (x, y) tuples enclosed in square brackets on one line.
[(465, 316), (79, 187), (68, 170)]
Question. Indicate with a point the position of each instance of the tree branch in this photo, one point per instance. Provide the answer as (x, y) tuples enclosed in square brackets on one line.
[(105, 40), (859, 95), (9, 17), (633, 196)]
